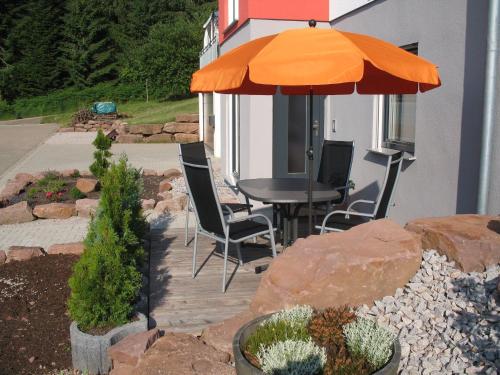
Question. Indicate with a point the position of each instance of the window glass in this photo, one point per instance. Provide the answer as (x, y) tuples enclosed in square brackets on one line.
[(399, 121), (232, 11)]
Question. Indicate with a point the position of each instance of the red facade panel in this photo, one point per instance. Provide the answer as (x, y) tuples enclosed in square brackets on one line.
[(297, 10)]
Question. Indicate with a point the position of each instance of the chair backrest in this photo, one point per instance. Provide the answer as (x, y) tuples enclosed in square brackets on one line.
[(335, 165), (386, 195), (203, 194), (193, 152)]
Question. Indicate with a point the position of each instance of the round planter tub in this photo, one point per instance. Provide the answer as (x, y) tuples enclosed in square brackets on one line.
[(89, 353), (244, 367)]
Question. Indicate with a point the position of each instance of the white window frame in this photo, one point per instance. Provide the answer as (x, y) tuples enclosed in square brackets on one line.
[(378, 141), (233, 11)]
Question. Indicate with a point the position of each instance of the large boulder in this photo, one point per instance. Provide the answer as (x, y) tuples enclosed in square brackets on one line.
[(183, 354), (55, 210), (471, 241), (220, 335), (145, 129), (171, 173), (165, 185), (86, 185), (75, 248), (186, 138), (16, 186), (159, 138), (183, 127), (175, 204), (20, 253), (17, 213), (86, 207), (129, 138), (130, 350), (355, 267)]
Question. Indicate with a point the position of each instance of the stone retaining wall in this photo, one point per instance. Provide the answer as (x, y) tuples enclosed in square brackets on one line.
[(185, 129)]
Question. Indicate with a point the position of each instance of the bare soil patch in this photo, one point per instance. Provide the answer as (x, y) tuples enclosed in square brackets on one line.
[(34, 324)]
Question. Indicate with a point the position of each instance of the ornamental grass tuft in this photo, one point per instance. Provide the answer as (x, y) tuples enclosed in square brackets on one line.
[(292, 357), (366, 338)]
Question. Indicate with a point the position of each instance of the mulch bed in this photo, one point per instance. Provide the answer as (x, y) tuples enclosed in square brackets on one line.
[(150, 183), (34, 325)]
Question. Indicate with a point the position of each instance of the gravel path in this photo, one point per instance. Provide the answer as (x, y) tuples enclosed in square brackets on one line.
[(448, 321), (43, 232)]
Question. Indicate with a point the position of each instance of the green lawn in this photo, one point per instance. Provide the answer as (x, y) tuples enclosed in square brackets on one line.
[(152, 112)]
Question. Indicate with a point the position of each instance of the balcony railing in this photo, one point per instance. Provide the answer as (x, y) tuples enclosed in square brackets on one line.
[(210, 52)]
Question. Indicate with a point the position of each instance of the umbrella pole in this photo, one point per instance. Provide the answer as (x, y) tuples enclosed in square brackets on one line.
[(310, 161)]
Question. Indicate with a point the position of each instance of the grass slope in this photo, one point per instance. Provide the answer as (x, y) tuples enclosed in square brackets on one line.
[(141, 112)]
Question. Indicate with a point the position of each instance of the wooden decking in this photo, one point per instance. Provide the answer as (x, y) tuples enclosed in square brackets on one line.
[(180, 303)]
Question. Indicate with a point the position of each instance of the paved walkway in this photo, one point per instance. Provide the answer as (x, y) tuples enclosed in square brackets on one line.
[(18, 138), (75, 150), (43, 232)]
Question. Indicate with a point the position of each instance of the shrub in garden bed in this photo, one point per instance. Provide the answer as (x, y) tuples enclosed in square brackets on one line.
[(332, 341), (106, 280)]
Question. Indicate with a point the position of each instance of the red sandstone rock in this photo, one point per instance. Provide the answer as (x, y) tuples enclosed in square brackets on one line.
[(86, 207), (121, 369), (145, 129), (186, 138), (129, 138), (129, 350), (17, 213), (220, 335), (55, 211), (175, 127), (76, 248), (23, 253), (86, 185), (354, 267), (3, 257), (147, 204), (164, 186), (172, 173), (191, 117), (13, 188), (175, 204), (160, 138), (471, 241), (164, 195), (25, 178), (183, 354)]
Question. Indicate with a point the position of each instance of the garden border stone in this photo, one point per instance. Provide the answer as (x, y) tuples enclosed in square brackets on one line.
[(89, 353)]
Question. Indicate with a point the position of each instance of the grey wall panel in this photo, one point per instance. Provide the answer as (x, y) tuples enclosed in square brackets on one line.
[(443, 179)]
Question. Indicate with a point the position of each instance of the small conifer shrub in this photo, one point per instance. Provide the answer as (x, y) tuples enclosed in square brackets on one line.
[(101, 155)]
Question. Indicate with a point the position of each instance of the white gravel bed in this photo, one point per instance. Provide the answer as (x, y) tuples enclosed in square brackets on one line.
[(448, 321)]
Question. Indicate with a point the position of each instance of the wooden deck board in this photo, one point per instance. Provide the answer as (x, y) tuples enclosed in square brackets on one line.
[(180, 303)]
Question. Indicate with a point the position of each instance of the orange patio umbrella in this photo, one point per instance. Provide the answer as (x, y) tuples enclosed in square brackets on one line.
[(314, 61)]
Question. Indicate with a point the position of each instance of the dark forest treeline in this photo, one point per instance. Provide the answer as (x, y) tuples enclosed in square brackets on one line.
[(46, 45)]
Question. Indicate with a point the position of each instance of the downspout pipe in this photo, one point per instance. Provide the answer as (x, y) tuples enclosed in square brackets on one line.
[(489, 105)]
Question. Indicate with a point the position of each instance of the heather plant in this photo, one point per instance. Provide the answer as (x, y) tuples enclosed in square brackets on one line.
[(101, 155), (366, 338), (292, 357), (103, 287)]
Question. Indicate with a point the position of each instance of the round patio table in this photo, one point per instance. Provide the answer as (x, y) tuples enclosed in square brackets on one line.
[(288, 195)]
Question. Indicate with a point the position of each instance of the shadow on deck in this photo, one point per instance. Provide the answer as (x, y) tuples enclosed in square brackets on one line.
[(179, 303)]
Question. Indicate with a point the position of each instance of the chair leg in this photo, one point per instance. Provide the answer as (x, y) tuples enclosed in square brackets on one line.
[(238, 250), (273, 243), (186, 229), (195, 248), (226, 249)]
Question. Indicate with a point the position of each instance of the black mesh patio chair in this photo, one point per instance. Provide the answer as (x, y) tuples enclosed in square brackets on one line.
[(335, 168), (195, 153), (340, 220), (211, 221)]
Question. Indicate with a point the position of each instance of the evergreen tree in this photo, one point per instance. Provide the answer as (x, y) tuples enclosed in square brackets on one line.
[(88, 50), (101, 155)]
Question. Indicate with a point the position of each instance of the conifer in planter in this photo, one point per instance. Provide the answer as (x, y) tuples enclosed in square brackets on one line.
[(106, 281)]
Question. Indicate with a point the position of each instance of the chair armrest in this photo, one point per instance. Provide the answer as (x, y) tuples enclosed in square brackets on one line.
[(251, 217), (227, 211), (346, 213), (359, 201)]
